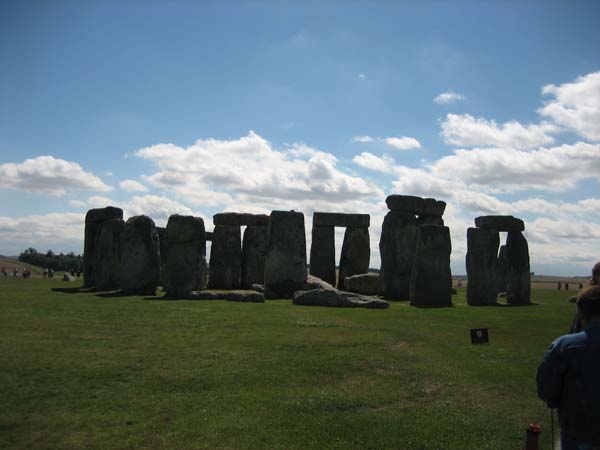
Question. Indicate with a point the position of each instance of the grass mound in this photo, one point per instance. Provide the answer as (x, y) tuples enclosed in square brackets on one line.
[(82, 370)]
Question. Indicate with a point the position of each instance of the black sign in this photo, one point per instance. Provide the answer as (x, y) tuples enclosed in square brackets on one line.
[(479, 336)]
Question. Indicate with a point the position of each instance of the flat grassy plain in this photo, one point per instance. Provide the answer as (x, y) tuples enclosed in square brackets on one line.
[(86, 370)]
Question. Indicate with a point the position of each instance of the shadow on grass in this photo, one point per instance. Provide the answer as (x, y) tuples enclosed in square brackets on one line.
[(72, 290)]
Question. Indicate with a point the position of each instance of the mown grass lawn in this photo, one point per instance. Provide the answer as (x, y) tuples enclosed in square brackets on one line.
[(84, 371)]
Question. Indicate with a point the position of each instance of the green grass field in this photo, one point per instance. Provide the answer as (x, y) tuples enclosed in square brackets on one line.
[(86, 371)]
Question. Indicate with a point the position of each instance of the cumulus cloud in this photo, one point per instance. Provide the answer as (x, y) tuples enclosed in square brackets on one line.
[(132, 186), (62, 232), (468, 131), (399, 143), (448, 97), (576, 105), (362, 139), (250, 170), (402, 143), (48, 175)]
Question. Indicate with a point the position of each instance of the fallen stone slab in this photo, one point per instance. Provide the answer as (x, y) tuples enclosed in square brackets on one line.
[(240, 219), (367, 283), (335, 298), (500, 223), (313, 282), (231, 296), (258, 288), (324, 219), (68, 277), (416, 205)]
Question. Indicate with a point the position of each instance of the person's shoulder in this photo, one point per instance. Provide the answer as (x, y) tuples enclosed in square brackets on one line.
[(569, 340)]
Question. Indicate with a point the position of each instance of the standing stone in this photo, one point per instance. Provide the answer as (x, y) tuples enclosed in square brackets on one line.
[(429, 220), (163, 246), (482, 251), (518, 286), (140, 259), (356, 253), (501, 274), (397, 249), (107, 257), (186, 262), (93, 219), (226, 258), (285, 264), (322, 253), (431, 279), (254, 249)]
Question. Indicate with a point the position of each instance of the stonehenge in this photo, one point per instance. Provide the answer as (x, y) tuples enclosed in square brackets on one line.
[(407, 254), (490, 272), (270, 256), (356, 250)]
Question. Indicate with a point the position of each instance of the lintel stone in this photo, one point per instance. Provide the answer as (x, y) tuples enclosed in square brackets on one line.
[(500, 223), (325, 219), (415, 205), (241, 219)]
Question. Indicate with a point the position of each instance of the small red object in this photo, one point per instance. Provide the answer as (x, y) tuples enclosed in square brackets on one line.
[(532, 438)]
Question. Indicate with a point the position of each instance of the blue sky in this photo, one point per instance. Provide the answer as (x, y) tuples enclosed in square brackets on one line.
[(306, 105)]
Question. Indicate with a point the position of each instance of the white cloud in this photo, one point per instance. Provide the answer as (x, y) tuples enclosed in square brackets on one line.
[(369, 161), (402, 143), (466, 130), (576, 105), (362, 139), (448, 97), (362, 76), (77, 203), (48, 175), (399, 143), (61, 232), (132, 186), (249, 170)]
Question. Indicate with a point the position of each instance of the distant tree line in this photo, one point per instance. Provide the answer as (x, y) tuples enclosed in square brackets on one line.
[(51, 260)]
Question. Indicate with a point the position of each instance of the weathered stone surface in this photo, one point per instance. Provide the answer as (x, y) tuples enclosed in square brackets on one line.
[(186, 269), (501, 272), (232, 296), (107, 256), (482, 251), (313, 282), (140, 259), (356, 253), (367, 284), (93, 219), (416, 205), (322, 253), (431, 280), (325, 219), (163, 247), (429, 220), (285, 264), (397, 249), (328, 297), (500, 223), (518, 286), (226, 258), (258, 288), (240, 219), (254, 250), (101, 214)]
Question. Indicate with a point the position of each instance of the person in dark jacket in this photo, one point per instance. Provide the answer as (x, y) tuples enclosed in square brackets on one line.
[(568, 377), (595, 280)]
